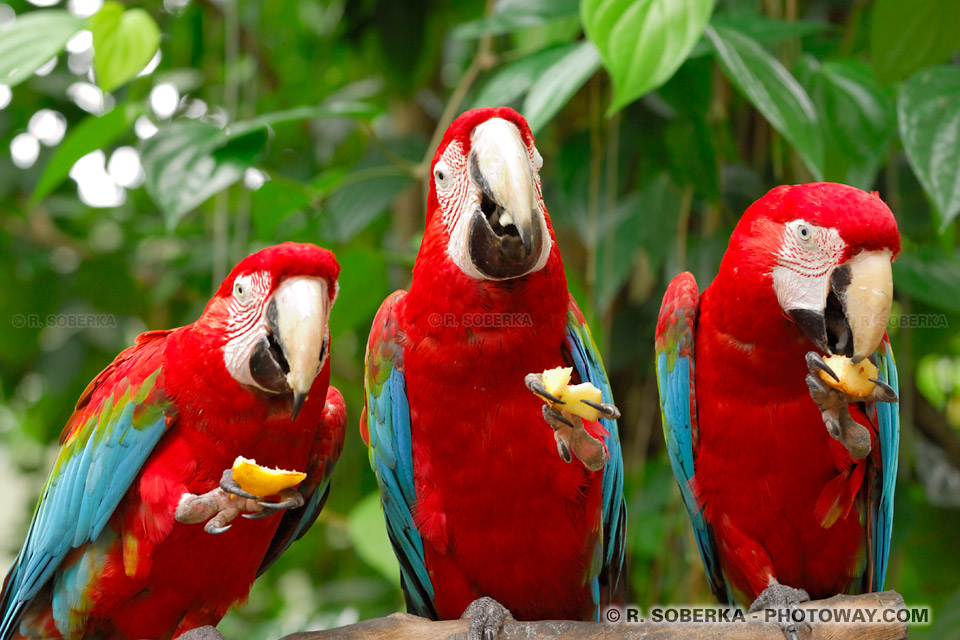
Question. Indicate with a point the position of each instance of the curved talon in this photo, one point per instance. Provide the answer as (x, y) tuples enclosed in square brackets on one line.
[(211, 528), (816, 362), (266, 513), (229, 485), (886, 392), (607, 409), (534, 382), (550, 415)]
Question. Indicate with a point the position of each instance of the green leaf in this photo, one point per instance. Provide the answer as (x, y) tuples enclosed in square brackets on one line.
[(765, 30), (186, 162), (95, 132), (277, 199), (558, 83), (929, 275), (635, 228), (513, 15), (773, 91), (929, 115), (124, 42), (361, 197), (907, 36), (858, 118), (33, 39), (644, 42), (181, 170), (368, 533), (363, 281), (513, 79)]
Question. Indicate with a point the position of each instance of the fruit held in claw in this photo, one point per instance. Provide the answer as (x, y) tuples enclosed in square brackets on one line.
[(263, 481), (557, 383), (854, 377)]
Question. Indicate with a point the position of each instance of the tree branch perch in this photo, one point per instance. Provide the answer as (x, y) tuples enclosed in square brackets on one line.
[(401, 626)]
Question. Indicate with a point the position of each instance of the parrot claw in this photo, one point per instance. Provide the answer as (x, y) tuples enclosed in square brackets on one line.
[(534, 382), (218, 507), (815, 362), (228, 484), (215, 530), (608, 410), (553, 417), (883, 392), (486, 617), (290, 499), (779, 597)]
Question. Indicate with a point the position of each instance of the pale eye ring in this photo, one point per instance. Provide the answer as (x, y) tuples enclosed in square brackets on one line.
[(442, 174), (804, 233), (240, 289)]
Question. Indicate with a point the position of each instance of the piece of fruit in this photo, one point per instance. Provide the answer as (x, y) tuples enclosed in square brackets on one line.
[(854, 378), (263, 481), (557, 383), (556, 380)]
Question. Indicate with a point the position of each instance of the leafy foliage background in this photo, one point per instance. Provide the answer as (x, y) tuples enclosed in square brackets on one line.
[(659, 121)]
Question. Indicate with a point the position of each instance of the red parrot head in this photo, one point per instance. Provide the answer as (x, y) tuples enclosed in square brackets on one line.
[(271, 317), (485, 196), (826, 250)]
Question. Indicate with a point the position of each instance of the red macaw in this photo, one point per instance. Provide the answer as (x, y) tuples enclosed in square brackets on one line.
[(783, 508), (477, 500), (113, 550)]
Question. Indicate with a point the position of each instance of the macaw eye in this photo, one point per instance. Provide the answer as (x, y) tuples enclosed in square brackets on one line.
[(804, 233), (442, 175), (241, 289)]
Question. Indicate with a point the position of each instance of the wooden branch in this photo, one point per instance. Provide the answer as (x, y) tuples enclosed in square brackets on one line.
[(401, 626)]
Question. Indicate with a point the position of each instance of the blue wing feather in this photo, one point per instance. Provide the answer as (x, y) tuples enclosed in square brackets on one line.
[(96, 465), (888, 416), (675, 342), (588, 364), (391, 454)]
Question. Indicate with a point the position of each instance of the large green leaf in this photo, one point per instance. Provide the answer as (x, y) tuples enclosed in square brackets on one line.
[(186, 162), (32, 40), (761, 28), (513, 79), (643, 42), (368, 533), (929, 275), (513, 15), (95, 132), (181, 170), (558, 83), (929, 115), (124, 42), (361, 196), (640, 221), (907, 36), (858, 118), (773, 91)]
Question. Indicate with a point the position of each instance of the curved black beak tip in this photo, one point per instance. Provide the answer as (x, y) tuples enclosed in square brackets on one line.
[(813, 324), (298, 400)]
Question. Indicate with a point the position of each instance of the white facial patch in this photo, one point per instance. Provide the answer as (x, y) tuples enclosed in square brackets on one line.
[(246, 324), (807, 256)]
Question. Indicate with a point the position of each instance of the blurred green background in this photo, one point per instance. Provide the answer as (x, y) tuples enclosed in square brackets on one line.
[(147, 148)]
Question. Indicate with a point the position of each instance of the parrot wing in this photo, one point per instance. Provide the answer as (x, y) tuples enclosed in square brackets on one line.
[(316, 487), (385, 428), (674, 345), (888, 422), (119, 419), (585, 358)]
